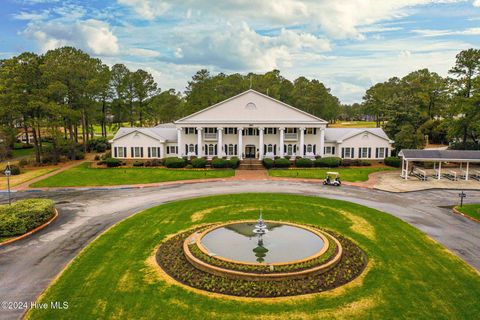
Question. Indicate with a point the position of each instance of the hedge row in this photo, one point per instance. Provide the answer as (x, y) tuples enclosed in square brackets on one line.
[(24, 215), (330, 162), (393, 162)]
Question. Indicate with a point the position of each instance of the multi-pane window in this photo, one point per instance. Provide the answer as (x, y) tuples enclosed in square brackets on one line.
[(210, 130), (328, 150), (381, 153), (309, 148), (120, 152), (230, 130), (172, 149), (270, 130), (191, 148), (347, 153), (231, 150), (190, 130), (290, 130), (364, 152), (269, 148), (290, 150), (311, 131), (153, 152), (136, 152), (250, 132), (210, 149)]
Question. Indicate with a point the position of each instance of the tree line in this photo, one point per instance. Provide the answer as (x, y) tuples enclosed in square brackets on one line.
[(64, 94), (424, 107)]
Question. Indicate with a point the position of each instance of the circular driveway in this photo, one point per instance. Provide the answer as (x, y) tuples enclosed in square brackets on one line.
[(28, 266)]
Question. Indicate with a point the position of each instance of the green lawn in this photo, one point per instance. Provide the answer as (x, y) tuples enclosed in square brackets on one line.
[(83, 175), (472, 210), (353, 124), (346, 174), (409, 275), (24, 152)]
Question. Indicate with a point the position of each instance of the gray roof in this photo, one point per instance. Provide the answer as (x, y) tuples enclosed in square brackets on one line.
[(340, 134), (445, 155), (168, 134)]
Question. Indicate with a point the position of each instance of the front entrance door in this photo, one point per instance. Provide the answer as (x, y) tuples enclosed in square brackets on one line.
[(250, 151)]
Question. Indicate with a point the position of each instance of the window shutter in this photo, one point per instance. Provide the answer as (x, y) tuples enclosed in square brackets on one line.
[(141, 152), (343, 152), (304, 149), (124, 152), (333, 150), (294, 148), (376, 152), (314, 130), (131, 154), (148, 151), (158, 152), (216, 153), (264, 149), (369, 152), (236, 153), (352, 151), (284, 148), (314, 149), (274, 130), (196, 149), (386, 152), (206, 150), (274, 149), (359, 152), (115, 152)]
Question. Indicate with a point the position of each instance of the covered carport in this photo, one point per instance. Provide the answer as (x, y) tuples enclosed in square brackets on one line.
[(437, 157)]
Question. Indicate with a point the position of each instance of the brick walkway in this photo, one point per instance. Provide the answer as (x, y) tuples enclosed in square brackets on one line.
[(251, 175)]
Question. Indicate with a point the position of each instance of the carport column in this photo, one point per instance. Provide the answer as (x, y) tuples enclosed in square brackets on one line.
[(282, 135), (322, 142), (466, 172), (179, 142), (199, 142), (439, 170), (406, 169), (302, 142), (220, 142), (240, 143), (260, 142), (403, 168)]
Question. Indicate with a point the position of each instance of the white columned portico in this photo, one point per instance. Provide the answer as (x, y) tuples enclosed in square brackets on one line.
[(240, 143), (260, 142), (282, 135), (199, 142), (322, 141), (220, 142), (179, 142), (302, 142)]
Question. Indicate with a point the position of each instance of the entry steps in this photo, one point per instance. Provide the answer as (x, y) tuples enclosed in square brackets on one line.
[(250, 164)]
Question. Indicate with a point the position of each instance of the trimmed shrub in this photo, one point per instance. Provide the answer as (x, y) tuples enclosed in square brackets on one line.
[(138, 164), (24, 215), (331, 162), (395, 162), (220, 163), (268, 163), (234, 162), (98, 145), (174, 162), (199, 163), (153, 163), (282, 163), (14, 170), (112, 162), (188, 166), (304, 163), (365, 163)]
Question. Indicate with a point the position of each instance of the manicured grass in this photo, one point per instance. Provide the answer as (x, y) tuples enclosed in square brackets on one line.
[(472, 210), (409, 275), (24, 176), (346, 174), (83, 175), (353, 124)]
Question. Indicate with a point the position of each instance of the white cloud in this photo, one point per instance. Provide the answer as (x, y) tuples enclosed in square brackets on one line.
[(31, 16), (476, 3), (91, 35), (146, 53), (147, 9), (441, 33)]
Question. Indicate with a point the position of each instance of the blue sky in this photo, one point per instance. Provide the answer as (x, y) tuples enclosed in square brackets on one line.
[(348, 45)]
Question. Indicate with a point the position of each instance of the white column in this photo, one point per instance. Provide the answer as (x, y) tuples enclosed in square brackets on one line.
[(260, 141), (240, 143), (302, 142), (466, 172), (322, 141), (406, 170), (199, 142), (162, 151), (439, 170), (282, 135), (220, 142), (179, 142)]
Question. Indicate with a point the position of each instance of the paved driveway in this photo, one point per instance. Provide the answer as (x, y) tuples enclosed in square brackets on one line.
[(28, 266)]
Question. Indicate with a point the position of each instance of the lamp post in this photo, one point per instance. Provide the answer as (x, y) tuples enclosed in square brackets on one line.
[(8, 173), (462, 195)]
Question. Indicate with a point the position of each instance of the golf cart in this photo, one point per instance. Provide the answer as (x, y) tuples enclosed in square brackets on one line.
[(332, 179)]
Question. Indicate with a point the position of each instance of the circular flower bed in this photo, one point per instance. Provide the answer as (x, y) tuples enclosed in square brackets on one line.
[(172, 259)]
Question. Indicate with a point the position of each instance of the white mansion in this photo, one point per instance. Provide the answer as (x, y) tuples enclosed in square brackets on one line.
[(250, 125)]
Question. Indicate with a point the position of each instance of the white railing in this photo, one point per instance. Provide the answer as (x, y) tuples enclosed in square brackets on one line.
[(210, 136), (291, 136)]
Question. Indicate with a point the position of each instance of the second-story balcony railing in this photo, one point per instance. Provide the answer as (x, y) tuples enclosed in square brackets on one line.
[(291, 136), (210, 136)]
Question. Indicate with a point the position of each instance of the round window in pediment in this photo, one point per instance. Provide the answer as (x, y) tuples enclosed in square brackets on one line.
[(251, 106)]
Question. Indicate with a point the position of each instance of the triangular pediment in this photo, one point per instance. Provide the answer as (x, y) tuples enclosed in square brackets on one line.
[(251, 107)]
